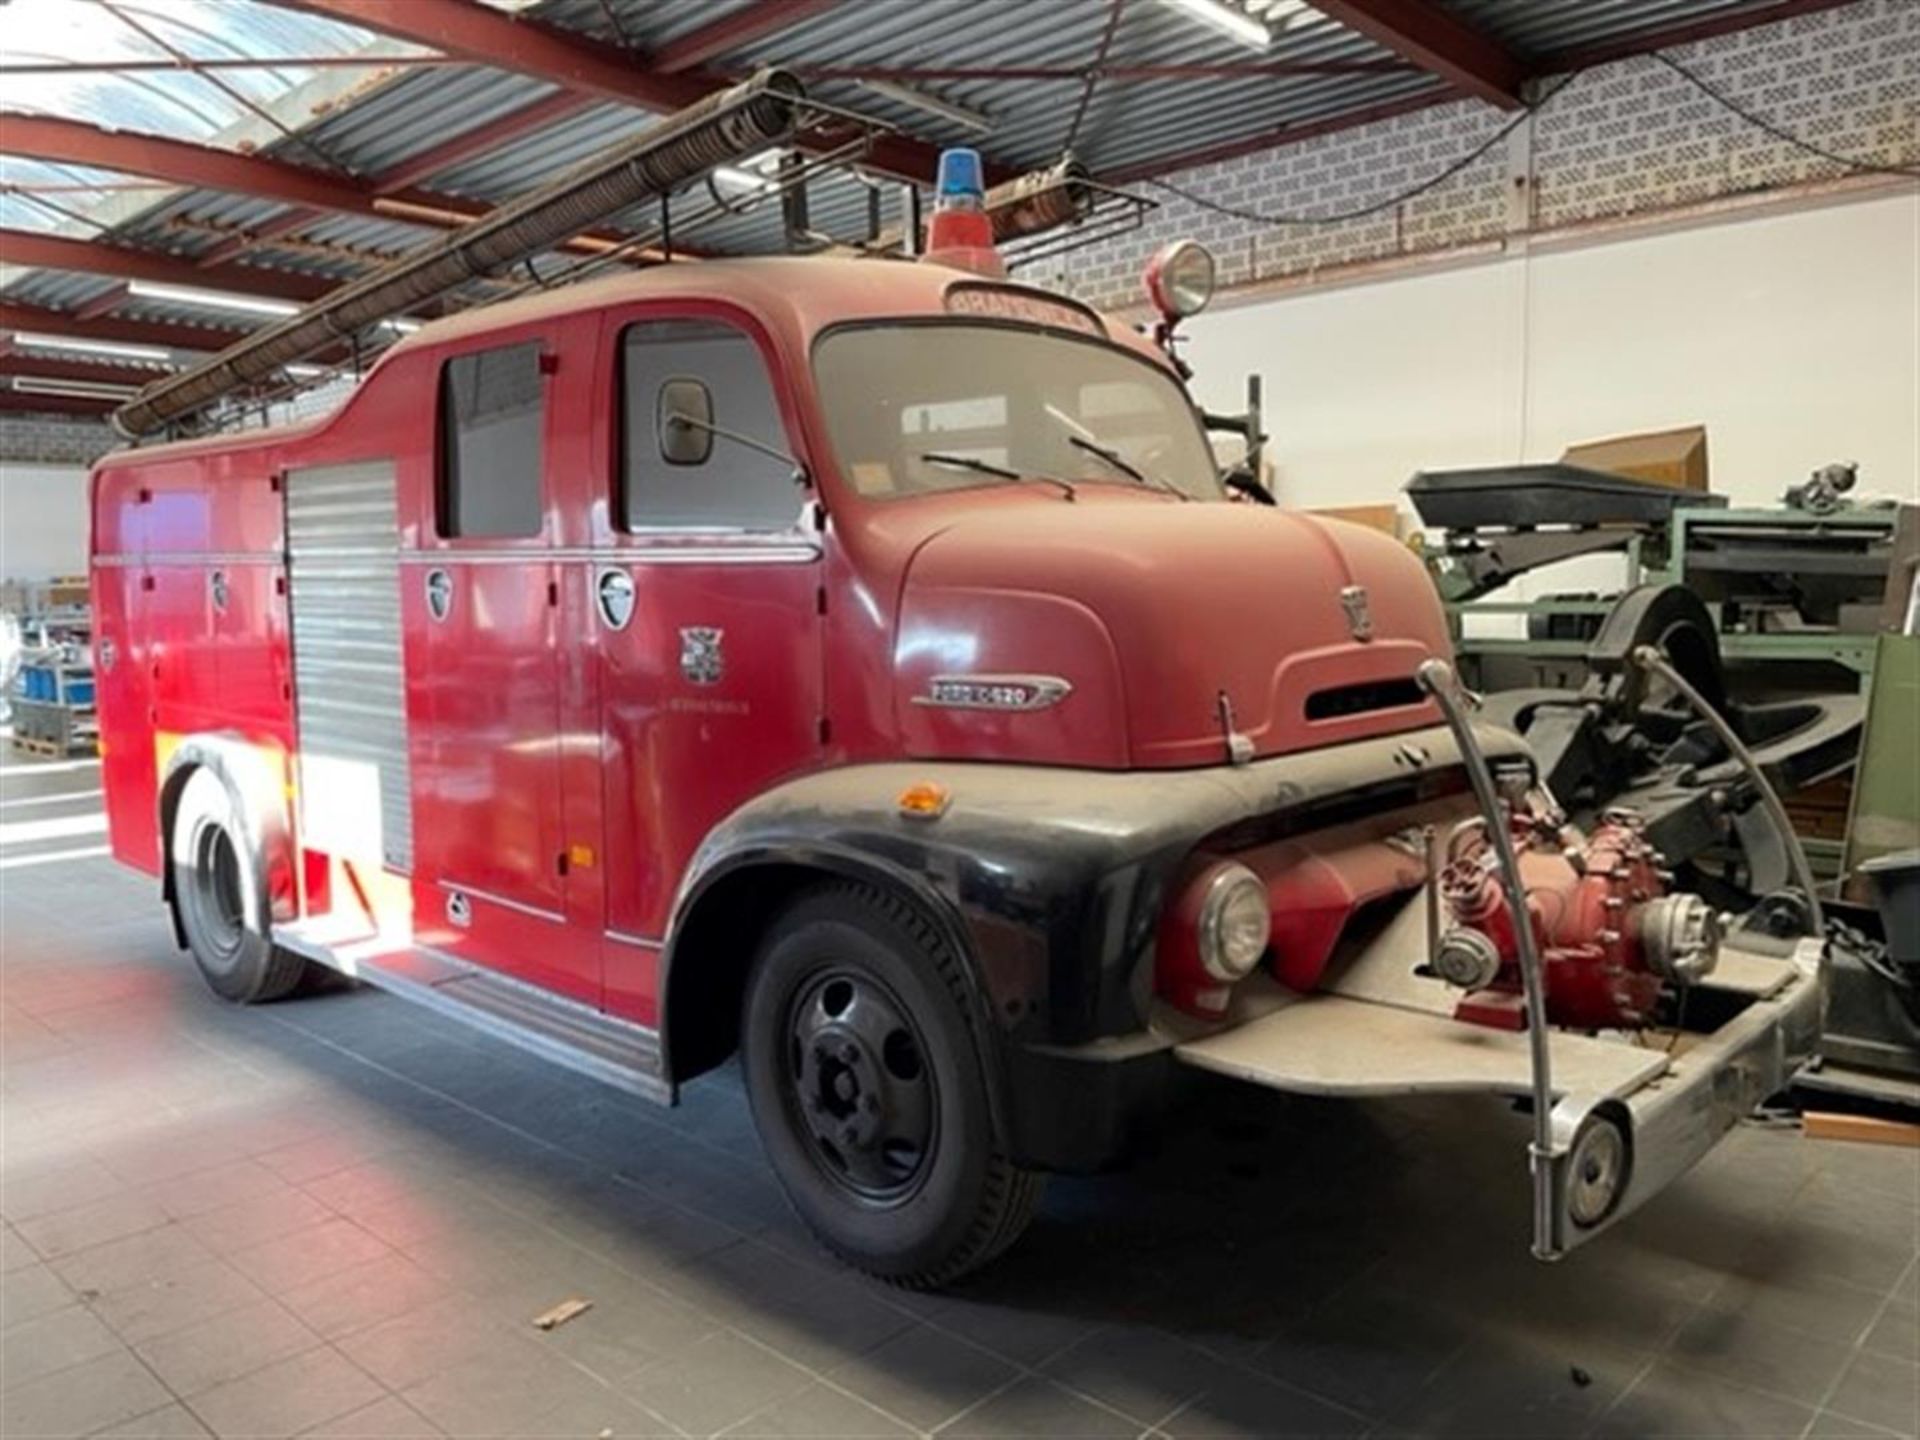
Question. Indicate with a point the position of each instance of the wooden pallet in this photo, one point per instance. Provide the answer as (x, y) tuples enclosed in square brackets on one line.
[(49, 750)]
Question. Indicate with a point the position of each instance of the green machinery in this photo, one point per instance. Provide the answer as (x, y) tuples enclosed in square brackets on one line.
[(1798, 591), (1778, 608)]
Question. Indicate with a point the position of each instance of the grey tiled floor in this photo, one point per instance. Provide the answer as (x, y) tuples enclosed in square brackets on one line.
[(337, 1216)]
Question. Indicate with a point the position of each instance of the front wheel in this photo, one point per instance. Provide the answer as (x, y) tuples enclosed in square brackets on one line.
[(221, 902), (869, 1094)]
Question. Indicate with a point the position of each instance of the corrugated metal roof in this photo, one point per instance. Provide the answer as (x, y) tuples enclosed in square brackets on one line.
[(1542, 28), (1191, 101)]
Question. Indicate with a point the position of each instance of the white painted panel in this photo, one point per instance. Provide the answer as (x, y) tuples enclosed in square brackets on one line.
[(1795, 337), (43, 521)]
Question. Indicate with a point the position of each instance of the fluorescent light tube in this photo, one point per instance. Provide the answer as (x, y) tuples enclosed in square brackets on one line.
[(211, 299), (72, 389), (150, 353), (1235, 23)]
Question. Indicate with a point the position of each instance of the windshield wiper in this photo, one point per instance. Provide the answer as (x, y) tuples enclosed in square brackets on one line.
[(1125, 466), (987, 467)]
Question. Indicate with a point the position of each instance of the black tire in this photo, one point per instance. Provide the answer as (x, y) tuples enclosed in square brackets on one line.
[(915, 1204), (220, 899)]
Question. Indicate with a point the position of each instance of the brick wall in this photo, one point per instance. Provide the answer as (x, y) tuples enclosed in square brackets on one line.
[(54, 439), (1627, 139)]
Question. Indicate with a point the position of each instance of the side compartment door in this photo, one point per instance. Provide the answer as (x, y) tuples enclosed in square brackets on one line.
[(123, 696), (489, 882), (706, 590)]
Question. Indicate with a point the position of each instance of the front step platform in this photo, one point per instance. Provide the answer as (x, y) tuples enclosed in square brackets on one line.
[(616, 1052)]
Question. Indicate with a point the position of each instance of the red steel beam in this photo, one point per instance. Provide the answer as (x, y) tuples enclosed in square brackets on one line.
[(37, 319), (734, 31), (485, 36), (105, 303), (182, 162), (179, 162), (50, 367), (12, 402), (233, 249), (515, 43), (1420, 31), (91, 257)]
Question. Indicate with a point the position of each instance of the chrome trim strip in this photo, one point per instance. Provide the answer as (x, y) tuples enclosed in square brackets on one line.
[(474, 893), (161, 558), (622, 938), (787, 553)]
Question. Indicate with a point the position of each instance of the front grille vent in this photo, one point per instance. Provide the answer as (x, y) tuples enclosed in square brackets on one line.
[(1342, 701)]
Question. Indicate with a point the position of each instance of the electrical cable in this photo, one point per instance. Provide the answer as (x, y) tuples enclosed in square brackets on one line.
[(1707, 88), (1360, 212), (1786, 137)]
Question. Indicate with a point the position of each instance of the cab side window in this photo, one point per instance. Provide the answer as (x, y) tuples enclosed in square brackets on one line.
[(492, 418), (677, 474)]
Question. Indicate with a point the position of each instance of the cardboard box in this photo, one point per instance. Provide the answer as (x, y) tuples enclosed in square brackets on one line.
[(1676, 458), (1384, 518)]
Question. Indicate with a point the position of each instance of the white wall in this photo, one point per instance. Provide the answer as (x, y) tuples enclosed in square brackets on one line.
[(43, 521), (1795, 338)]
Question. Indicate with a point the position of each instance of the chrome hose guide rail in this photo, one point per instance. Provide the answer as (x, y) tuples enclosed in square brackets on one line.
[(1437, 678), (1650, 659)]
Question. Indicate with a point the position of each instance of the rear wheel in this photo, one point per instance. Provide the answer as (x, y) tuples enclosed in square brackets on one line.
[(869, 1094), (221, 902)]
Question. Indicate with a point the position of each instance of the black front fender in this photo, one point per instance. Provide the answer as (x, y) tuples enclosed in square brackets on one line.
[(1050, 884)]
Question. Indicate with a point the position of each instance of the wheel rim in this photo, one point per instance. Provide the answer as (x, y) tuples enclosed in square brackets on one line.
[(218, 901), (860, 1086)]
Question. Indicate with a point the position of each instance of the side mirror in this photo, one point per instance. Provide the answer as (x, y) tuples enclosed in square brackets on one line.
[(684, 418)]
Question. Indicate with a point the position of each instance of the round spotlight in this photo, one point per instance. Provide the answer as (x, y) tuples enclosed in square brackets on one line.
[(1180, 279), (1235, 923), (1596, 1171)]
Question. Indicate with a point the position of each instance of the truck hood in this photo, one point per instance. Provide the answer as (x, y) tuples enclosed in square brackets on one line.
[(1183, 633)]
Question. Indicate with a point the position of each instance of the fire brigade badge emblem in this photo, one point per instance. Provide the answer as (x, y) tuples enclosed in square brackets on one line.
[(1353, 600), (615, 592), (701, 659), (439, 594)]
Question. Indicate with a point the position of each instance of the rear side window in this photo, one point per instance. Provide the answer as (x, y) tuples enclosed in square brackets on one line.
[(733, 485), (492, 414)]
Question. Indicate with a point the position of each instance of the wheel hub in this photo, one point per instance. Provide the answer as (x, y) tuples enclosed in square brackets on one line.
[(839, 1082), (863, 1090)]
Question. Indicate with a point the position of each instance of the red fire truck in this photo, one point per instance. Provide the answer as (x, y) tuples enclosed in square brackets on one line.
[(862, 668)]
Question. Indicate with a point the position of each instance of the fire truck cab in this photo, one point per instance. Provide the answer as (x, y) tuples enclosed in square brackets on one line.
[(861, 668)]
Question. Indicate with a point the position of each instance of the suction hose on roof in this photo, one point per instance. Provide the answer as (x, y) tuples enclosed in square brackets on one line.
[(726, 126)]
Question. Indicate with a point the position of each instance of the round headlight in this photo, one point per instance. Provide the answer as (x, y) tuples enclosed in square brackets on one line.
[(1180, 279), (1235, 923), (1596, 1171)]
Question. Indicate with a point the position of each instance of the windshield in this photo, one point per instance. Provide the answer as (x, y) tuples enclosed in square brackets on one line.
[(950, 405)]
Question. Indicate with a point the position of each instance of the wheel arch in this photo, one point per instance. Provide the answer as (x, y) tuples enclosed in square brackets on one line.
[(258, 789), (725, 913)]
